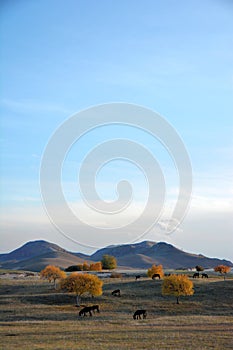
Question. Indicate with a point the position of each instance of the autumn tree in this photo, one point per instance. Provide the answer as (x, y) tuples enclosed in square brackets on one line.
[(52, 274), (82, 283), (96, 266), (109, 262), (177, 285), (223, 269), (86, 267), (155, 269)]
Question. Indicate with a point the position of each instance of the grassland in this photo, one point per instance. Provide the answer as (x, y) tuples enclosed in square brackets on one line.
[(34, 316)]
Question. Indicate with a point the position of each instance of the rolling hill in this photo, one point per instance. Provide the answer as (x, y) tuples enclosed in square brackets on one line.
[(34, 256), (144, 254)]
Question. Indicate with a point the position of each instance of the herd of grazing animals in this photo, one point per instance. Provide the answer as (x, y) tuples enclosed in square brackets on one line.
[(197, 275), (138, 313)]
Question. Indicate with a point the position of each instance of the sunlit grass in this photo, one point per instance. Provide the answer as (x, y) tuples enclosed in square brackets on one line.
[(35, 316)]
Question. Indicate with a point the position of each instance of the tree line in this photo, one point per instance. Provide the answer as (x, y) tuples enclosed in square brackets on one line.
[(84, 283), (108, 262)]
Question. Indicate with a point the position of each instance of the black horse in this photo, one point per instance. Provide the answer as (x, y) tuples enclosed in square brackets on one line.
[(85, 310), (116, 293), (138, 314), (137, 277), (89, 309), (196, 275), (204, 275), (155, 275)]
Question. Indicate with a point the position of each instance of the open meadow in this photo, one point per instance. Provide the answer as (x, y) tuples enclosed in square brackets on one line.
[(35, 316)]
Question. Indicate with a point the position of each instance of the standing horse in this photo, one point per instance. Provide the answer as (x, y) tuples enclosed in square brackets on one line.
[(137, 277), (138, 314), (196, 275), (85, 310), (204, 275), (89, 309), (116, 293)]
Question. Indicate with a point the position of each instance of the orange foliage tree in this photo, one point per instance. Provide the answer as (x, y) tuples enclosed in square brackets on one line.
[(82, 283), (52, 273), (177, 285), (86, 267), (223, 269), (96, 266), (155, 269)]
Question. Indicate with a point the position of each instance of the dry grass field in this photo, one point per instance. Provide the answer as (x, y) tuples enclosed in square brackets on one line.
[(34, 316)]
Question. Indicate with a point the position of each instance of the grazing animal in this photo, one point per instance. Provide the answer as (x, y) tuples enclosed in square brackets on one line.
[(155, 275), (85, 310), (196, 275), (137, 277), (204, 275), (138, 314), (116, 293), (95, 308)]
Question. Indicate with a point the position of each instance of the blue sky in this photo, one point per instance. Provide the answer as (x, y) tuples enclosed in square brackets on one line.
[(176, 58)]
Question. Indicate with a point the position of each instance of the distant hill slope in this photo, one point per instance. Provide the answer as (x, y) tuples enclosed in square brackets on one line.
[(144, 254), (36, 255), (30, 250)]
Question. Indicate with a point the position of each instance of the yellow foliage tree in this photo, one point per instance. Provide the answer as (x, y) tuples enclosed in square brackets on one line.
[(177, 285), (155, 269), (86, 267), (96, 266), (82, 283), (223, 269), (52, 273)]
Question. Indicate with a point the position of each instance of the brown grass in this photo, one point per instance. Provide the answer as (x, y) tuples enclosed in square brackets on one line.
[(34, 316)]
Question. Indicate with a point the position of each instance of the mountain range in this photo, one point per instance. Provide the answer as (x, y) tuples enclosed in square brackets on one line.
[(35, 255)]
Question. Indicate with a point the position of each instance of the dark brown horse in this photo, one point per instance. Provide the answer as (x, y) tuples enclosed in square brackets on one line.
[(137, 277), (155, 275), (138, 314), (85, 310), (204, 275), (89, 309), (116, 293), (196, 275)]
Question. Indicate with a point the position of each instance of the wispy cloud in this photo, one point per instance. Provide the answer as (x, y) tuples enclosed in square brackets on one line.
[(30, 105)]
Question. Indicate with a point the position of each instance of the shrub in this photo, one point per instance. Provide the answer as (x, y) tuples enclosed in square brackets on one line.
[(116, 275)]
